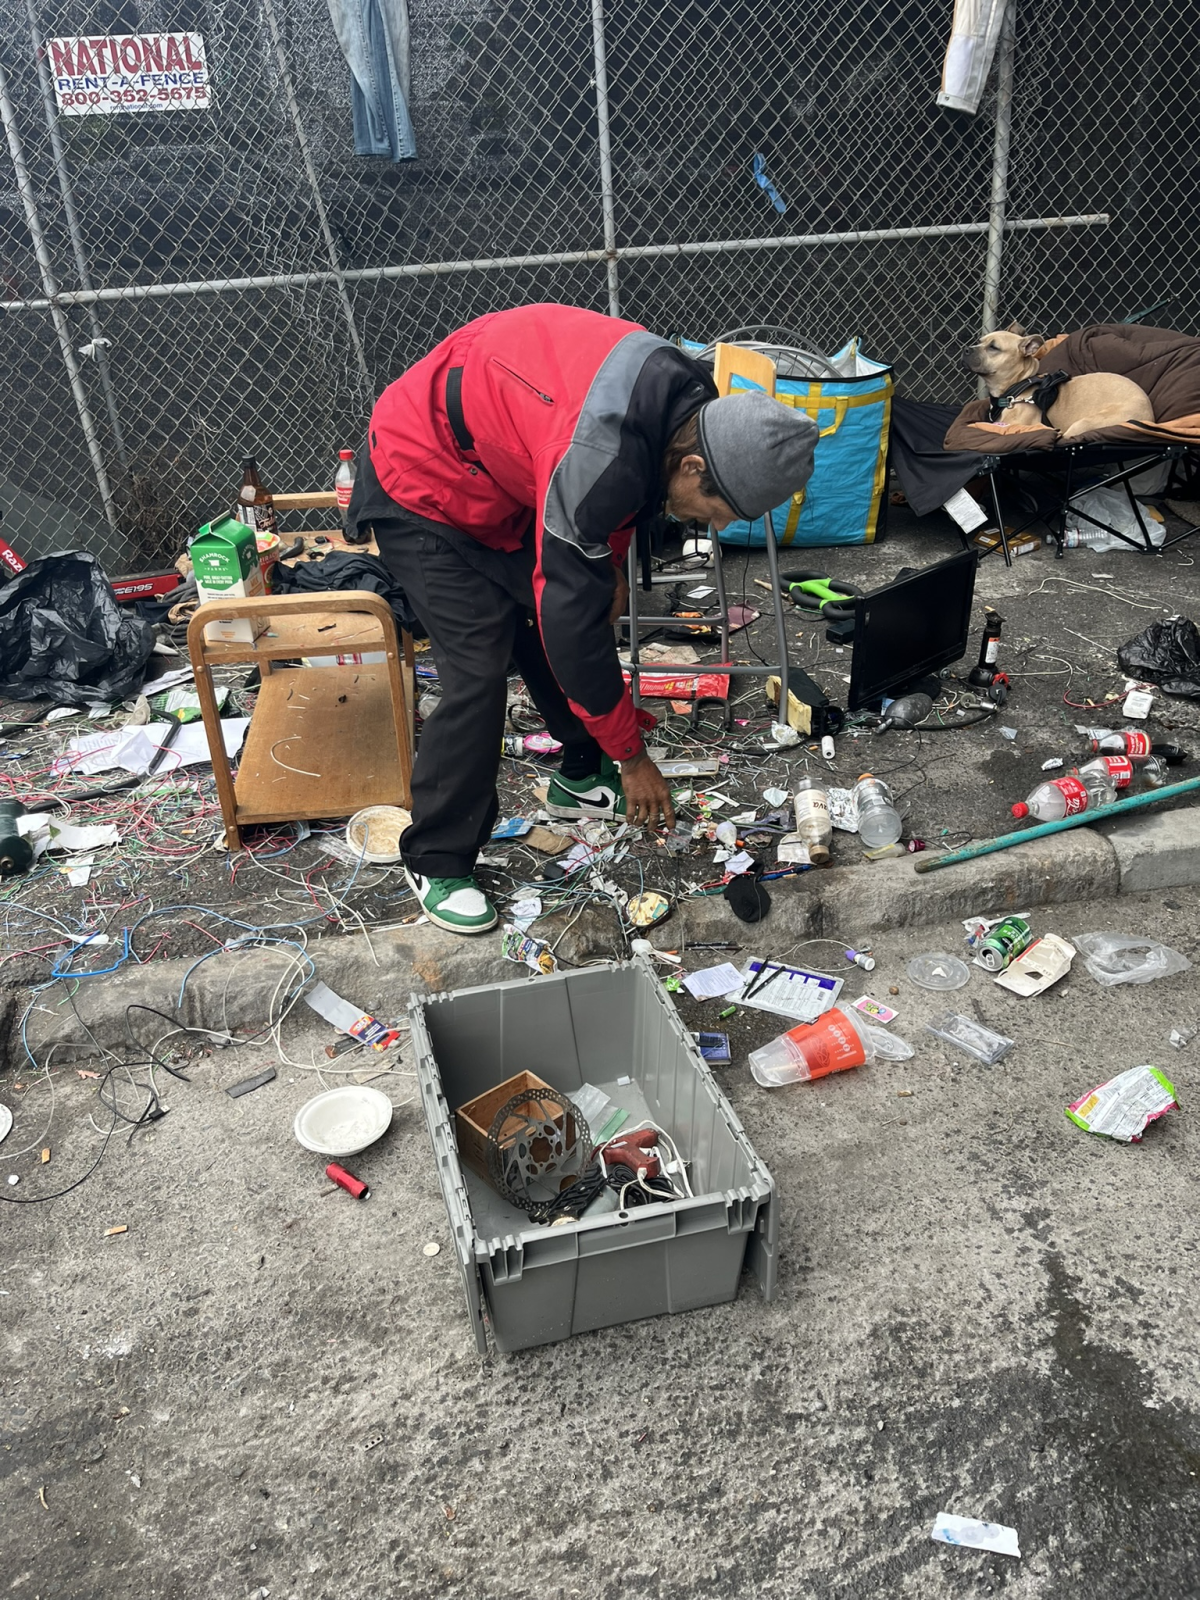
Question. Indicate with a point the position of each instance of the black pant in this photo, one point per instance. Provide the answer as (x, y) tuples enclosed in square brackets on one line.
[(476, 605)]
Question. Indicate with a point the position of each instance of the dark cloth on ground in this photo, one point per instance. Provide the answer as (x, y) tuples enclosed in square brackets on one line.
[(477, 624), (925, 470)]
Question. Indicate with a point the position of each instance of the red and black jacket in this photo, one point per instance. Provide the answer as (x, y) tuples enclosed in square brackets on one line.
[(565, 413)]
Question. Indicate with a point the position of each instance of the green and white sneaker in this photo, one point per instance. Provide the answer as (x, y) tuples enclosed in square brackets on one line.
[(601, 796), (457, 904)]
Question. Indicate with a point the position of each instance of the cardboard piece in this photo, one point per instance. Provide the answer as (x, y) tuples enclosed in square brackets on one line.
[(1040, 967)]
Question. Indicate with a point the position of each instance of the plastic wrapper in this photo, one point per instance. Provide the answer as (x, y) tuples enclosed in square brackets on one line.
[(1112, 958), (64, 637), (1125, 1106), (1166, 653), (972, 1037)]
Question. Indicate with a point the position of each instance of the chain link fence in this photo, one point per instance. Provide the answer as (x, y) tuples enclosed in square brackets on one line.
[(183, 288)]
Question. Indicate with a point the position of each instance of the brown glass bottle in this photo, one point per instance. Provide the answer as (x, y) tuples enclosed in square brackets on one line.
[(255, 505)]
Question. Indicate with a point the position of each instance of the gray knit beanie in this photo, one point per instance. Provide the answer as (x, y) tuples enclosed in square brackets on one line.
[(758, 451)]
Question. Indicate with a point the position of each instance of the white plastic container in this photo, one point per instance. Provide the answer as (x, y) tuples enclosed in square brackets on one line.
[(379, 829)]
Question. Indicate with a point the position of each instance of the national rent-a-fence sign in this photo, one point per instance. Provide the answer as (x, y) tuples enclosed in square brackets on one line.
[(103, 75)]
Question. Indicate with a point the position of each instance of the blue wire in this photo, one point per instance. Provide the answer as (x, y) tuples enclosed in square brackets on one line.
[(92, 972)]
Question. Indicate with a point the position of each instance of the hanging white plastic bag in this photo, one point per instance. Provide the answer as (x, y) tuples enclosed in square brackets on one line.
[(1112, 958)]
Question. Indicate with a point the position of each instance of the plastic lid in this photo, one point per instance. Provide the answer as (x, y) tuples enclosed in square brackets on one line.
[(343, 1121), (345, 455), (1020, 809), (938, 970)]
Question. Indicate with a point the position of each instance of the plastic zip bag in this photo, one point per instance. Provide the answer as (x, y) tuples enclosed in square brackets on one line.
[(1113, 958), (972, 1037)]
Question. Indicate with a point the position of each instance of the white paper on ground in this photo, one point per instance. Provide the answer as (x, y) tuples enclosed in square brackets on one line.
[(523, 912), (135, 748), (167, 681), (965, 510), (742, 862), (793, 852), (60, 712), (710, 983), (46, 831), (78, 870), (792, 992), (975, 1535)]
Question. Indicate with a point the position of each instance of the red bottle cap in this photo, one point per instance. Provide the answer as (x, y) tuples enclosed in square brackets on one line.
[(345, 455), (1020, 809)]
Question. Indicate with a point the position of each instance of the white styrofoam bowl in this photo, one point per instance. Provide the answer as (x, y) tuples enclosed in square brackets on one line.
[(343, 1121)]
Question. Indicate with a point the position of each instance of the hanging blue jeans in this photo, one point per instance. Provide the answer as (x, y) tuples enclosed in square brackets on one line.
[(373, 35)]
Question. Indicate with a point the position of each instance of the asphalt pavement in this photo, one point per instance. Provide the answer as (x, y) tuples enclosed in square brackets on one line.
[(264, 1388)]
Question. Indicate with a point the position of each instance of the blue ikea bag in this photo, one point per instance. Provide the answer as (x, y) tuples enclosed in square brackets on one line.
[(840, 503)]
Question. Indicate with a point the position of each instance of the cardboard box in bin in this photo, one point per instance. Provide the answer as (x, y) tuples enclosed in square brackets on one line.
[(473, 1121)]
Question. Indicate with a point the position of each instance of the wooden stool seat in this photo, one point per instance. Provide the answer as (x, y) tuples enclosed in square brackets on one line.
[(323, 741)]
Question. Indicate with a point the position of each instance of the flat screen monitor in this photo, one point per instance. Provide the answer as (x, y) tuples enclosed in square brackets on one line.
[(911, 628)]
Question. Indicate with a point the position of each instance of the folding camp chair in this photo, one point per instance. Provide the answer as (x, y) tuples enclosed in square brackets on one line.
[(1059, 472)]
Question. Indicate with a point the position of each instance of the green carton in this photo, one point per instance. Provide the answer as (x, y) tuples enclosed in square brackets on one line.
[(226, 566)]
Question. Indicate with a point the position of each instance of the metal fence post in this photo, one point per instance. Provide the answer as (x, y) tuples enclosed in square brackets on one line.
[(310, 170), (99, 352), (61, 326), (604, 142), (1005, 52)]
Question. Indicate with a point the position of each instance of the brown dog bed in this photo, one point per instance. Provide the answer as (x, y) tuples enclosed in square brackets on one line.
[(1166, 365)]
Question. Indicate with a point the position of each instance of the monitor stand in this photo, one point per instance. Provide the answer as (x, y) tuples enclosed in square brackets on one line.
[(930, 684)]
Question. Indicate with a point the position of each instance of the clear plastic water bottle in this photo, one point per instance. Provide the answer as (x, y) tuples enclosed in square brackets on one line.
[(879, 822), (1067, 797), (1091, 538), (812, 820)]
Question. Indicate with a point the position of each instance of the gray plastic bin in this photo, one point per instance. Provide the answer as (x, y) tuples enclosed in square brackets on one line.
[(538, 1284)]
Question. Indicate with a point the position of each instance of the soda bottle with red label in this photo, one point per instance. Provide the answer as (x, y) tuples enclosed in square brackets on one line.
[(1067, 797)]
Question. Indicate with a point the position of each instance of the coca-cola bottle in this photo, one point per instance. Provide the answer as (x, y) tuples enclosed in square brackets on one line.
[(1067, 797)]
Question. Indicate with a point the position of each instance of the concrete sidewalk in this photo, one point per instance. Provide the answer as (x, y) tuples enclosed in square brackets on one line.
[(854, 904), (257, 1389)]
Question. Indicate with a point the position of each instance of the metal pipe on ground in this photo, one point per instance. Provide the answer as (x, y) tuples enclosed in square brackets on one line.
[(1136, 802)]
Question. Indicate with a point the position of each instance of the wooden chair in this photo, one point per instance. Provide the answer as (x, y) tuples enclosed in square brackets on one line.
[(323, 741)]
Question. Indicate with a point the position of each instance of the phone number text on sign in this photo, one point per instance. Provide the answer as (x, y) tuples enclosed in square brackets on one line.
[(99, 75)]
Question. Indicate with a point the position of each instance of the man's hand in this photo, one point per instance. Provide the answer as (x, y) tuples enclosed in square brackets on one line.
[(620, 602), (647, 795)]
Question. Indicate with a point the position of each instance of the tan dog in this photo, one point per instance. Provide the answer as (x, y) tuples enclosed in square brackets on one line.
[(1084, 404)]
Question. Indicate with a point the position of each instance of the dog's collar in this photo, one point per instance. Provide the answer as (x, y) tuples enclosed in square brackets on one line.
[(1040, 390)]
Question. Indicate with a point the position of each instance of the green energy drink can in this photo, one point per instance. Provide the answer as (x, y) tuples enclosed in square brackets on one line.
[(1004, 944)]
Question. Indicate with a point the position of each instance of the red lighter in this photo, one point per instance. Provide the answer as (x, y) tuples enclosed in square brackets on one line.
[(347, 1180)]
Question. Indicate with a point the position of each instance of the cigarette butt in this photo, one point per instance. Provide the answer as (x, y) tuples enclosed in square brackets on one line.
[(109, 1232), (42, 1497), (46, 1156), (904, 1094)]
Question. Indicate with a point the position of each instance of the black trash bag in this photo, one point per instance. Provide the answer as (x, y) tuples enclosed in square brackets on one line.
[(347, 569), (1168, 654), (64, 636)]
